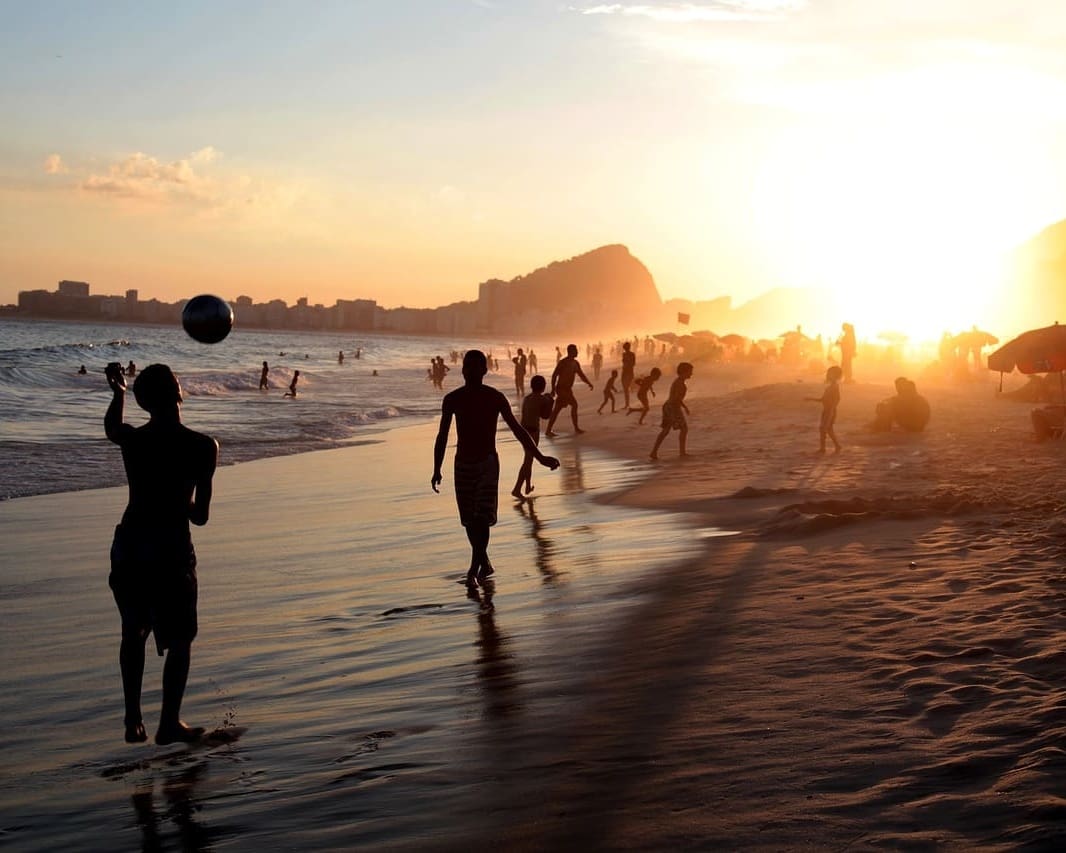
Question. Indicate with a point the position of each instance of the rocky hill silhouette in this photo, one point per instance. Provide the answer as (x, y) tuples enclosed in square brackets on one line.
[(602, 290)]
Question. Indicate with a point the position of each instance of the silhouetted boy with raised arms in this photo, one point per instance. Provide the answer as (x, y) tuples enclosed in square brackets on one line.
[(476, 408), (153, 565), (674, 411), (566, 370)]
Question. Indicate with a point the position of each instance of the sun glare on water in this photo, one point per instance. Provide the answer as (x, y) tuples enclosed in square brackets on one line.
[(908, 229)]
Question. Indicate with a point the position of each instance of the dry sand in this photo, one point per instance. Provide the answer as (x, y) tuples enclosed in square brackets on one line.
[(873, 660)]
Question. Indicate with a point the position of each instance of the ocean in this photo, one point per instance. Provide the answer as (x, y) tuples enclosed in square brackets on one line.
[(51, 418)]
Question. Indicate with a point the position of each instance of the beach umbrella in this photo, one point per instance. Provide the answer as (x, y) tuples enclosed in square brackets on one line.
[(1036, 351), (733, 340), (667, 337), (705, 333)]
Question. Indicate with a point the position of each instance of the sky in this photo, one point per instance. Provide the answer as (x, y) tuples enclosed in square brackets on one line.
[(889, 151)]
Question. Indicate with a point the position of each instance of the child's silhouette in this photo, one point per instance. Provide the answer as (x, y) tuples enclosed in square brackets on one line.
[(674, 411), (644, 387), (830, 399)]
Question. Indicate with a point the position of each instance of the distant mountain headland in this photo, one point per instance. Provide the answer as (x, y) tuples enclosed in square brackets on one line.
[(600, 293)]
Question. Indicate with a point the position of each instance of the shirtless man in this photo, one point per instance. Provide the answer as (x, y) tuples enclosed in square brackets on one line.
[(563, 388), (629, 367), (153, 565), (476, 408)]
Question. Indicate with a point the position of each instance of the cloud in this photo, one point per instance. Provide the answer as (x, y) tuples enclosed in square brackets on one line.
[(688, 13), (192, 182), (54, 165)]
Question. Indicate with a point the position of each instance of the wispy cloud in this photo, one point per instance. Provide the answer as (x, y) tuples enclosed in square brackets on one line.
[(688, 13), (54, 165), (197, 183)]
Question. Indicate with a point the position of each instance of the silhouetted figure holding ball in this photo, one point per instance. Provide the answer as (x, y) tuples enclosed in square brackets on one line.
[(153, 565)]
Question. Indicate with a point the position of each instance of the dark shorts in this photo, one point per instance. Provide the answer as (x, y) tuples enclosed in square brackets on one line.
[(673, 417), (564, 397), (477, 487), (153, 579)]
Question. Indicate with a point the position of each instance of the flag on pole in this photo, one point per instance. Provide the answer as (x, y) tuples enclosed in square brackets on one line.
[(683, 318)]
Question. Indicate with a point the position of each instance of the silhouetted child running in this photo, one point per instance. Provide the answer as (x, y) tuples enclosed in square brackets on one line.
[(674, 411), (476, 408), (644, 386), (153, 565), (292, 385), (608, 393), (830, 399), (535, 406)]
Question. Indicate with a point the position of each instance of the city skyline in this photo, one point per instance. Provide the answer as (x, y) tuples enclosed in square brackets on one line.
[(408, 151)]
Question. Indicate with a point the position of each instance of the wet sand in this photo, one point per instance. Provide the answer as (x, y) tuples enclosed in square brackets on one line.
[(873, 660)]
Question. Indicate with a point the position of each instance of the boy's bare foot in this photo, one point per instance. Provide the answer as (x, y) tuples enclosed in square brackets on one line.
[(529, 488), (821, 451), (135, 733), (515, 492), (178, 733), (471, 579), (550, 434), (486, 571), (578, 431), (653, 456)]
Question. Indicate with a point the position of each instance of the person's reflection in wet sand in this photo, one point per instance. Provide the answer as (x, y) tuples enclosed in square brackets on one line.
[(573, 480), (181, 808), (545, 547), (495, 663)]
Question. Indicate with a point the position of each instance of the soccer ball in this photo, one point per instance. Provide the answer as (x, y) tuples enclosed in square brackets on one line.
[(207, 319)]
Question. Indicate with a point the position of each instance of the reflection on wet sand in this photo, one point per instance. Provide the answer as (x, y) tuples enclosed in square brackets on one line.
[(496, 669), (545, 548), (181, 808)]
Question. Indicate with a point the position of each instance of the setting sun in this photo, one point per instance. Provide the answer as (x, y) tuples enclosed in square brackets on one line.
[(907, 222)]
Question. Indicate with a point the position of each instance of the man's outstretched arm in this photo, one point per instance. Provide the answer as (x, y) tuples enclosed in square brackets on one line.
[(584, 378), (524, 437)]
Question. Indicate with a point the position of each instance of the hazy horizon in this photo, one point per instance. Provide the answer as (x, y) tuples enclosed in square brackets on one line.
[(886, 152)]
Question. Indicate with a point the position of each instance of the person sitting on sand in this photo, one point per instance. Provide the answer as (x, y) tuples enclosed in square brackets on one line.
[(674, 411), (292, 385), (82, 371), (476, 408), (1048, 421), (153, 565), (644, 387), (566, 370), (608, 393), (830, 399), (907, 408), (533, 410)]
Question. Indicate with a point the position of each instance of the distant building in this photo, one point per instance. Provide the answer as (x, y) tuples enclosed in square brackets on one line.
[(74, 288)]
